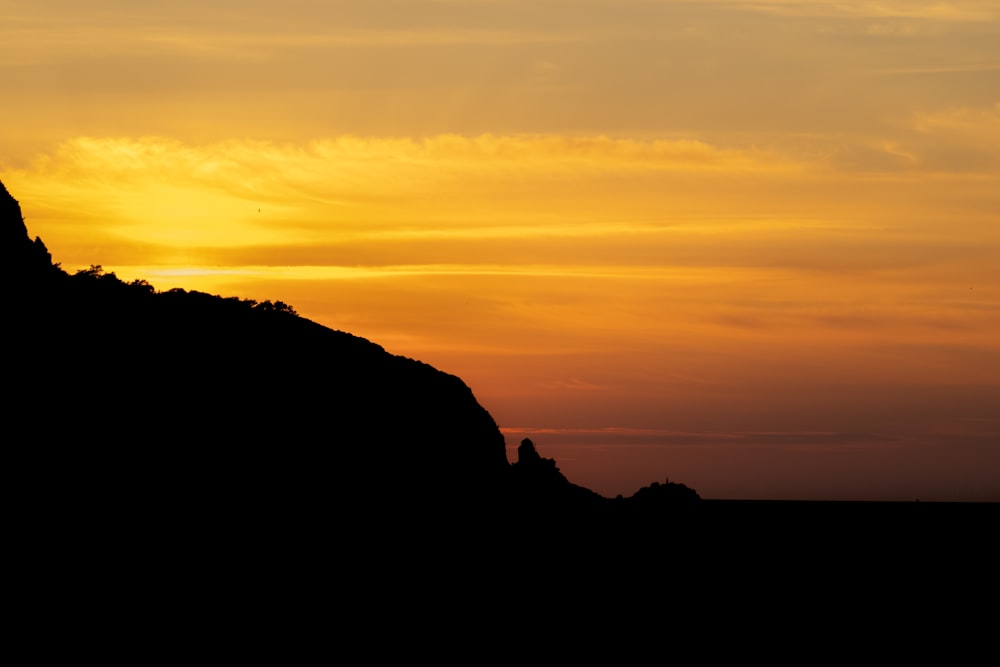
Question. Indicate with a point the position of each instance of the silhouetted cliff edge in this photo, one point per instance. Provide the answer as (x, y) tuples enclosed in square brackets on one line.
[(136, 401)]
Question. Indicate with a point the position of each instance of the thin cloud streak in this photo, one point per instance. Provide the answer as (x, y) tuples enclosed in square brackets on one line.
[(961, 11)]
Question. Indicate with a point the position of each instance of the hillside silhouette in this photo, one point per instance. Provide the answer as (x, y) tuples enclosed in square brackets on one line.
[(209, 462), (181, 403)]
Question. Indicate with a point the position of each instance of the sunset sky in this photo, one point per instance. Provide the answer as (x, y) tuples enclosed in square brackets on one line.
[(753, 247)]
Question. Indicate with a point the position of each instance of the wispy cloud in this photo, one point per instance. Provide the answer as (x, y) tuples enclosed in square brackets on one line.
[(652, 437), (958, 10), (980, 126), (550, 204)]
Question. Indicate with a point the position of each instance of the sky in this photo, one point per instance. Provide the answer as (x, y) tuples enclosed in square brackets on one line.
[(753, 247)]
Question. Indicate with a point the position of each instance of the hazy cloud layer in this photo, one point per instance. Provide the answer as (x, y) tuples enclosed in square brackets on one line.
[(304, 70)]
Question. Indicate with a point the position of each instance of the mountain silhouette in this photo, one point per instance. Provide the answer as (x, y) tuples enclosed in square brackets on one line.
[(182, 403)]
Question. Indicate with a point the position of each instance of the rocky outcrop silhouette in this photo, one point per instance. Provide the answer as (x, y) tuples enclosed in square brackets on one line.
[(538, 484), (20, 258)]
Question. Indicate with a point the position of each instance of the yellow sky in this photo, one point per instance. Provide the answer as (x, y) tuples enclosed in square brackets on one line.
[(751, 246)]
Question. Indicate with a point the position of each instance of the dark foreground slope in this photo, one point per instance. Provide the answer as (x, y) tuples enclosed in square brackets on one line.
[(190, 393)]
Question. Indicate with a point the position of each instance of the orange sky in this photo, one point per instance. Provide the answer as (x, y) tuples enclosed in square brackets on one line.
[(752, 247)]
